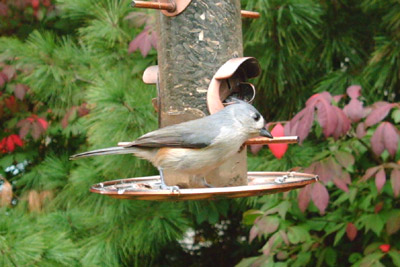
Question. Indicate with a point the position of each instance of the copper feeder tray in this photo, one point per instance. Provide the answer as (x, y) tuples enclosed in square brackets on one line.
[(259, 183)]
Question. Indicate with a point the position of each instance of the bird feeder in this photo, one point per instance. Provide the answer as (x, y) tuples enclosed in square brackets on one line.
[(200, 69)]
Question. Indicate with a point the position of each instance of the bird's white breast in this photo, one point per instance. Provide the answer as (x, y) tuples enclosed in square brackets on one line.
[(196, 161)]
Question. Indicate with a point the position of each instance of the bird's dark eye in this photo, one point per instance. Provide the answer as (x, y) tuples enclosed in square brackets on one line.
[(256, 116)]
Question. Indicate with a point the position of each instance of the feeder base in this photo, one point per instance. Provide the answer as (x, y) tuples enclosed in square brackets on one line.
[(259, 183)]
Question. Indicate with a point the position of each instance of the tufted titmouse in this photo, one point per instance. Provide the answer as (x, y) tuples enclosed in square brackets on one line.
[(195, 147)]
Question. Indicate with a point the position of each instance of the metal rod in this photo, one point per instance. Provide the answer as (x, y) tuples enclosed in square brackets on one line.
[(249, 14), (258, 141), (170, 7), (275, 140)]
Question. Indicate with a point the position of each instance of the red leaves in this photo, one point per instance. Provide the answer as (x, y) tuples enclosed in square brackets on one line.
[(354, 91), (390, 138), (395, 181), (3, 146), (385, 137), (64, 121), (3, 10), (7, 73), (301, 124), (378, 207), (139, 19), (253, 233), (343, 123), (380, 179), (354, 110), (20, 91), (342, 181), (144, 41), (379, 112), (16, 9), (46, 3), (326, 114), (360, 131), (263, 225), (351, 231), (43, 123), (81, 110), (384, 248), (371, 171), (304, 197), (380, 176), (327, 169), (278, 149), (320, 197), (16, 139), (3, 79), (11, 103), (337, 122), (377, 140), (267, 224), (8, 144), (332, 119), (37, 126), (35, 4)]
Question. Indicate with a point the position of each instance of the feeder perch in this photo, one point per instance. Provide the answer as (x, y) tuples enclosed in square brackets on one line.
[(200, 69)]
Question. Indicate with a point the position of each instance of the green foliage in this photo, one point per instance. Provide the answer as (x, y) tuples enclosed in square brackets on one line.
[(281, 40), (50, 174), (360, 224), (314, 46), (24, 241), (68, 77)]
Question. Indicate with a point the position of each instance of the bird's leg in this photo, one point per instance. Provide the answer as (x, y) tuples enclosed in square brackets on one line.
[(163, 186), (207, 184)]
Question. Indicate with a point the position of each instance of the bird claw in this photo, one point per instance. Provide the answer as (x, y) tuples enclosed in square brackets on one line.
[(163, 186), (207, 184), (171, 188)]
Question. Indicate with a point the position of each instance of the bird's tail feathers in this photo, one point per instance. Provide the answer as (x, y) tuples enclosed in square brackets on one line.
[(106, 151)]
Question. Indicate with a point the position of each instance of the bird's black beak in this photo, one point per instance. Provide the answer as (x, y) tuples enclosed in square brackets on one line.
[(266, 133)]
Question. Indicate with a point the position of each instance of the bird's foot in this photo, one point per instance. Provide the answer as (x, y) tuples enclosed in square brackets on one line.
[(163, 186), (207, 184), (173, 188)]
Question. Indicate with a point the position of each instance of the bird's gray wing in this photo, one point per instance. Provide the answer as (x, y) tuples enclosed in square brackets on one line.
[(191, 134)]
